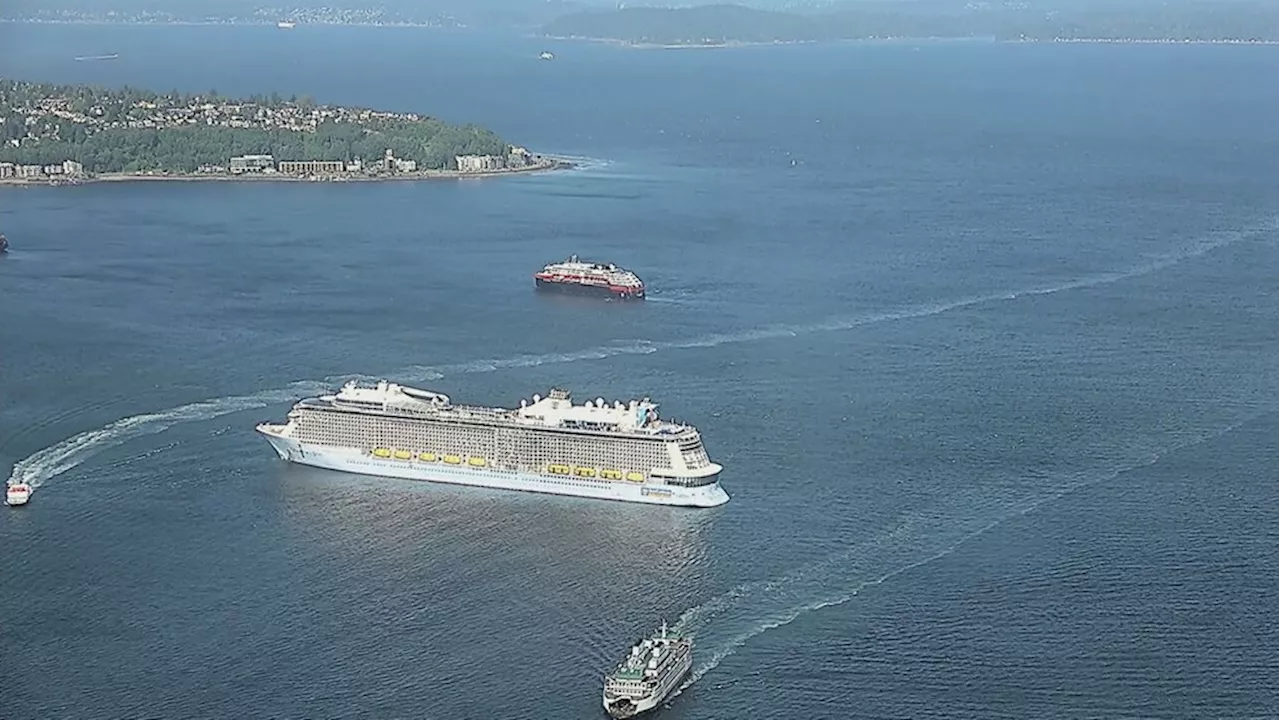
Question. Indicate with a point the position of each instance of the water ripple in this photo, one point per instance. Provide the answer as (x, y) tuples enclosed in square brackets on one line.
[(50, 462)]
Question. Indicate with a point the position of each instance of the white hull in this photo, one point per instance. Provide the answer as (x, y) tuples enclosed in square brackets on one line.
[(354, 461), (646, 704), (17, 497)]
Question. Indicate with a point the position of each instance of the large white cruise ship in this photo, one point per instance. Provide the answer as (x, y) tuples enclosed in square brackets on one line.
[(550, 445)]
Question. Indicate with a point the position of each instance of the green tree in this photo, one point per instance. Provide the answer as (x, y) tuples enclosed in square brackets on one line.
[(105, 144)]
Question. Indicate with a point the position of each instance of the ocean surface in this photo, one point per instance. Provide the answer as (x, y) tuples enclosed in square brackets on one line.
[(984, 335)]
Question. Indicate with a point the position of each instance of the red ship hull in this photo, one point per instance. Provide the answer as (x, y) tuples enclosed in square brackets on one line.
[(583, 286)]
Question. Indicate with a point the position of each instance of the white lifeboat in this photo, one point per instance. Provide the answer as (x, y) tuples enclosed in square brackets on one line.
[(17, 494)]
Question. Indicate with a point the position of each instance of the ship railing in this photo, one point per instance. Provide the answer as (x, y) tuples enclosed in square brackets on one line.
[(469, 411), (689, 482), (506, 418)]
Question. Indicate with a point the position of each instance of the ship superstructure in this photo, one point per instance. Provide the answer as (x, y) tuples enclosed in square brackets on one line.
[(589, 278), (648, 675), (618, 451)]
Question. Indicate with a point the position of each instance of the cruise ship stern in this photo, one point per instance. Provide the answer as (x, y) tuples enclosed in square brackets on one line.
[(710, 495)]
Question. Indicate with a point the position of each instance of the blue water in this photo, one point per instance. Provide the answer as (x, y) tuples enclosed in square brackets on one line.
[(984, 335)]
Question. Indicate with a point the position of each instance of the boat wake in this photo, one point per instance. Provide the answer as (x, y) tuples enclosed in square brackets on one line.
[(56, 459), (424, 373), (725, 623), (582, 163)]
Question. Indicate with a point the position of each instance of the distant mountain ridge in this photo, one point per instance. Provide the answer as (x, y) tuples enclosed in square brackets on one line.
[(441, 13), (1199, 20)]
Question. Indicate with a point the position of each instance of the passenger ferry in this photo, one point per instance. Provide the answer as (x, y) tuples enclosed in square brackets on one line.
[(648, 675)]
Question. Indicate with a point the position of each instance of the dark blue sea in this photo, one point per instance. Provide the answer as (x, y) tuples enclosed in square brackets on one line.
[(985, 336)]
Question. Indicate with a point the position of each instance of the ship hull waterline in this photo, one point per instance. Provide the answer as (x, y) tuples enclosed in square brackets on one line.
[(569, 288), (354, 461)]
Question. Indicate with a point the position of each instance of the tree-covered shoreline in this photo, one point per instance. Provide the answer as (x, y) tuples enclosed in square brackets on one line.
[(128, 130)]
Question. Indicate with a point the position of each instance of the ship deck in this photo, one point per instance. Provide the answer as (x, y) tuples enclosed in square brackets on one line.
[(499, 417)]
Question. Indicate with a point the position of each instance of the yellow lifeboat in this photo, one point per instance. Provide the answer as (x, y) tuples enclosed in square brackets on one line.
[(381, 452), (452, 459), (403, 454), (611, 474), (474, 461), (585, 472), (635, 477), (427, 457), (558, 469)]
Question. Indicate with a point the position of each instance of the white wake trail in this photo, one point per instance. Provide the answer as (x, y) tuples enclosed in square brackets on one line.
[(422, 373), (56, 459), (752, 609)]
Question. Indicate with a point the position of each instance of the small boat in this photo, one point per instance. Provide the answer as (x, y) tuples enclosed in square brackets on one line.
[(4, 244), (17, 494), (546, 56), (285, 25)]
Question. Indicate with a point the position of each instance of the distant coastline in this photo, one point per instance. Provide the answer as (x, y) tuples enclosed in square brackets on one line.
[(543, 165), (633, 44), (673, 46), (1152, 41), (729, 25), (729, 44), (232, 23), (69, 134)]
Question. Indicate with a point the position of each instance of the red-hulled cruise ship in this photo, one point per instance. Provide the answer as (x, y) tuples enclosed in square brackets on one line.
[(589, 278)]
